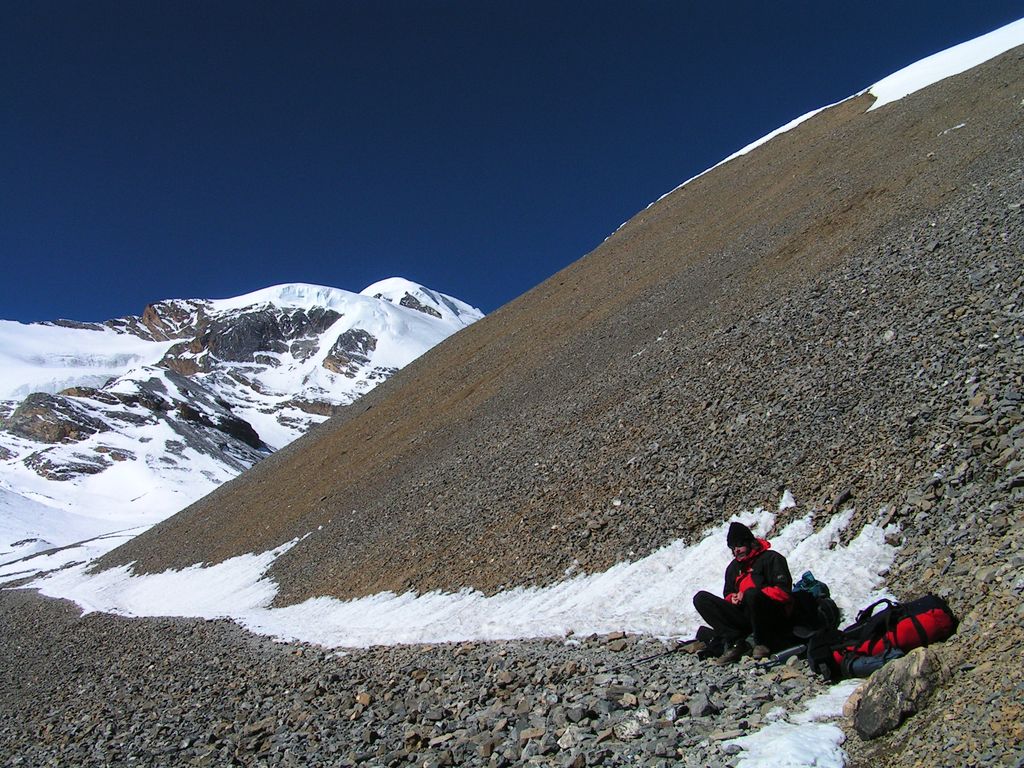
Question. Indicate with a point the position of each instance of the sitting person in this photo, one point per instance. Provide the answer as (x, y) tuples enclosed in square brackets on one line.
[(757, 599)]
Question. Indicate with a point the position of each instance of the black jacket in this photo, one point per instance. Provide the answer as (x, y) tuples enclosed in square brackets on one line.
[(766, 568)]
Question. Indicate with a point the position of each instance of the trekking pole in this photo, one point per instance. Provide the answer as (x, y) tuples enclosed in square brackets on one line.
[(634, 662), (781, 657)]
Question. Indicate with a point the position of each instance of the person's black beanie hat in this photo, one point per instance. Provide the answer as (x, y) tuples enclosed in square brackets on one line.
[(739, 535)]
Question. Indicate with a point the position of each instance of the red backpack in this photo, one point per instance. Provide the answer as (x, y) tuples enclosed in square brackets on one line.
[(879, 636)]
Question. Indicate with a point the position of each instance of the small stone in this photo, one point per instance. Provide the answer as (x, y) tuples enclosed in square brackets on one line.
[(571, 738), (575, 714), (987, 575), (725, 735), (486, 746), (627, 730), (700, 705), (531, 733)]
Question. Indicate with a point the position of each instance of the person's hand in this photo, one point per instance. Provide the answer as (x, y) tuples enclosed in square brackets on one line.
[(735, 598)]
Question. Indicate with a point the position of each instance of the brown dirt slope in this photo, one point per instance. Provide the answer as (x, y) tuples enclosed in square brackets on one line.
[(788, 320), (840, 312)]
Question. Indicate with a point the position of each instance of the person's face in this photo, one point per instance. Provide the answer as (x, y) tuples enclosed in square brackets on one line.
[(740, 551)]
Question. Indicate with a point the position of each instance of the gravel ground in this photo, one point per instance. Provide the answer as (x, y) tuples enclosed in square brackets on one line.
[(105, 690)]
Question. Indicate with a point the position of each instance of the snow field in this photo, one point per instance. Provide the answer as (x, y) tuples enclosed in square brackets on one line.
[(650, 596)]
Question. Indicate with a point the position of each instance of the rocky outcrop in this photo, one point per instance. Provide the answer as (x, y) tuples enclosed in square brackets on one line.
[(62, 468), (53, 419), (260, 336), (229, 425), (161, 321), (200, 418), (251, 336), (350, 352), (314, 407), (898, 690), (170, 319), (412, 302), (149, 401)]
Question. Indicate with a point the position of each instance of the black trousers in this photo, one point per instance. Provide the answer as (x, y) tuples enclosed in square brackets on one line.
[(757, 615)]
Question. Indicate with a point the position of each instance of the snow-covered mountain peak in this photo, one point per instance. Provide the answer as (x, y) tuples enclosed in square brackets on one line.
[(405, 293), (306, 296), (132, 419), (286, 296)]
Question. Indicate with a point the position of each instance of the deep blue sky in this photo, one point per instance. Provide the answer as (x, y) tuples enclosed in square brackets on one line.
[(198, 148)]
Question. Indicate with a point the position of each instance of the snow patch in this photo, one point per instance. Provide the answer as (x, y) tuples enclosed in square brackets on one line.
[(802, 739), (28, 526), (651, 596)]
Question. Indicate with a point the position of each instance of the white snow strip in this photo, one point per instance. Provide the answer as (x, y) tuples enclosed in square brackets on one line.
[(207, 592), (913, 78), (27, 526), (651, 596), (947, 63)]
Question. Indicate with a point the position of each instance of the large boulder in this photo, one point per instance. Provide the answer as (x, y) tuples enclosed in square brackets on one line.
[(898, 690)]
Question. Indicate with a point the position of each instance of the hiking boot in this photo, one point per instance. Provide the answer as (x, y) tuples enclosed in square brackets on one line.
[(693, 646), (761, 651), (732, 655)]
